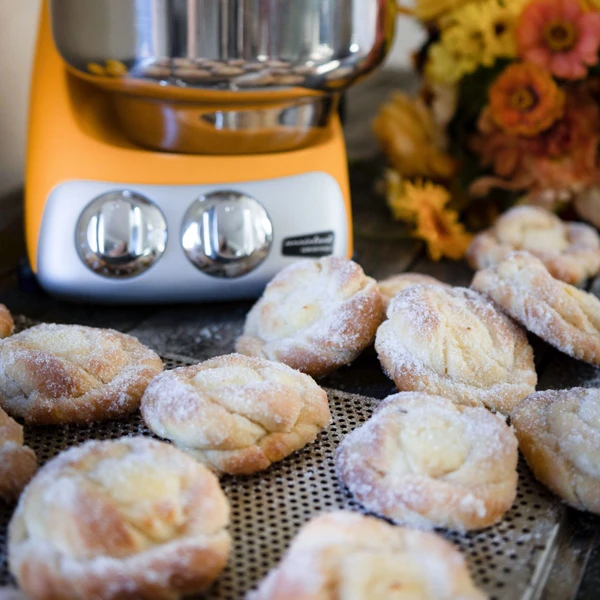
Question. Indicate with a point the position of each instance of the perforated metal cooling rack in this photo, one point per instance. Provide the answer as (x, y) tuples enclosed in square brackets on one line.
[(510, 560)]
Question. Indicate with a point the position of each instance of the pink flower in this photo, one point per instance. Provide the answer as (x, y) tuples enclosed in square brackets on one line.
[(558, 35)]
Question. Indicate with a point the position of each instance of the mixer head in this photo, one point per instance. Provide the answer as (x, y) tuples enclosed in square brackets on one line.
[(223, 77)]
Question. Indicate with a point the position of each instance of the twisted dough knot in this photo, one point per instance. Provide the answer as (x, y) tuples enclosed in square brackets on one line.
[(53, 374), (564, 316), (235, 413), (17, 462), (314, 316), (559, 435), (455, 343), (570, 251), (426, 462), (131, 515), (347, 556)]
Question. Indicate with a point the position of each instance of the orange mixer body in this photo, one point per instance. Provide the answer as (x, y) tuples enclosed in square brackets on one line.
[(73, 135)]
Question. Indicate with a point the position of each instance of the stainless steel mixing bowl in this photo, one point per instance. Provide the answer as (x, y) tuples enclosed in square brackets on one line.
[(208, 73)]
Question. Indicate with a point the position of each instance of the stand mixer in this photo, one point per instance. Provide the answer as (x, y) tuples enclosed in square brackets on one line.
[(187, 150)]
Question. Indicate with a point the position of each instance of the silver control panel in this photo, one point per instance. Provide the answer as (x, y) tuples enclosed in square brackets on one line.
[(117, 242)]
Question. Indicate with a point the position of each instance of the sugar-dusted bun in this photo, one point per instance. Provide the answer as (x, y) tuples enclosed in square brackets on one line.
[(53, 374), (347, 556), (424, 461), (456, 343), (314, 316), (17, 462), (559, 313), (7, 325), (559, 435), (126, 518), (398, 283), (237, 414), (570, 251)]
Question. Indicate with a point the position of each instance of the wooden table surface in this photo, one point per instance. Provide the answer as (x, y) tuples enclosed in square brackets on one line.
[(205, 330)]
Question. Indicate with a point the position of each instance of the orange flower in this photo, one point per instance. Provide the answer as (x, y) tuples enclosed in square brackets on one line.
[(525, 100), (552, 166), (424, 203)]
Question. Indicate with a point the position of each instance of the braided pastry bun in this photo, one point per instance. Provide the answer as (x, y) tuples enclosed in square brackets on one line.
[(455, 342), (314, 316), (426, 462), (235, 413), (559, 435), (570, 251), (562, 315), (126, 518), (54, 374), (346, 556), (7, 325), (17, 462)]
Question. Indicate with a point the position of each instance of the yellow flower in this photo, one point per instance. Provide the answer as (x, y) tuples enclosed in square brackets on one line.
[(478, 33), (425, 205), (442, 232), (448, 67), (411, 140)]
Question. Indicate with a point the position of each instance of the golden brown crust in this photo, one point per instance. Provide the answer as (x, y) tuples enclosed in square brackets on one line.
[(426, 462), (455, 343), (314, 316), (347, 556), (559, 313), (53, 374), (7, 325), (570, 251), (126, 518), (236, 414), (559, 435), (17, 462), (395, 284)]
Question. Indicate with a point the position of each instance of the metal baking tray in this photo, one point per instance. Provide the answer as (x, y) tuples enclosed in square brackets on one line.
[(513, 559)]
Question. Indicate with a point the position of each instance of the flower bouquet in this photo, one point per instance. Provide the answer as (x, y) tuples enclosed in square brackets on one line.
[(508, 113)]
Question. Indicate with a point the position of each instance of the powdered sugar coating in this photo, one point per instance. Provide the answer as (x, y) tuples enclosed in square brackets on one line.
[(347, 556), (454, 342), (132, 516), (17, 462), (314, 316), (570, 251), (559, 313), (237, 414), (424, 461), (53, 374), (395, 284), (7, 325), (559, 435)]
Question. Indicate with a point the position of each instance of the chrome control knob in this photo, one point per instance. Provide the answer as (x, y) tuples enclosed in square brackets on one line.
[(121, 234), (226, 234)]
